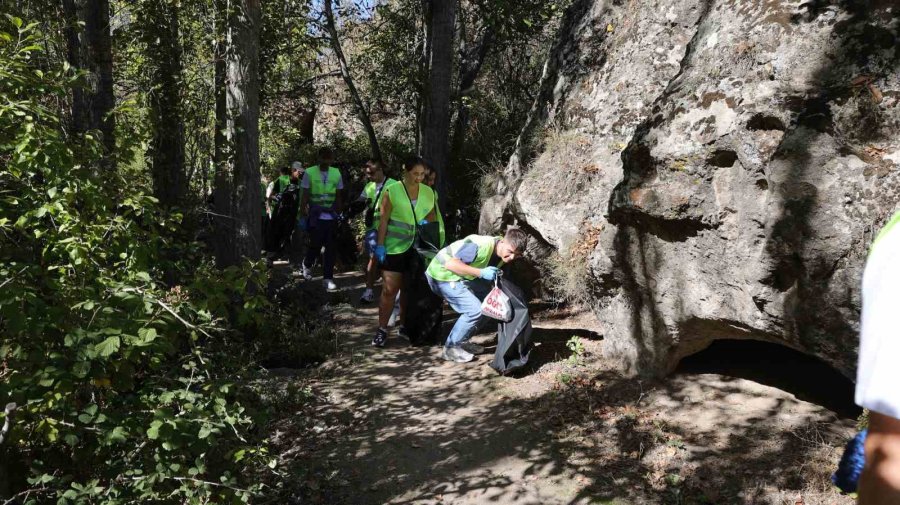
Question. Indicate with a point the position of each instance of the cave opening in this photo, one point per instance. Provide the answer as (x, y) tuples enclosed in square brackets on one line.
[(806, 377)]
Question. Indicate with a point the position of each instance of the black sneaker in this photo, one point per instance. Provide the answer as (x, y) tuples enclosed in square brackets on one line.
[(380, 338), (402, 332)]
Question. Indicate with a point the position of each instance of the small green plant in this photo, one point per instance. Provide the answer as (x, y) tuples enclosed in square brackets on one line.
[(576, 346)]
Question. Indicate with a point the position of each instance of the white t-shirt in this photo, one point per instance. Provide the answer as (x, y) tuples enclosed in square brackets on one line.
[(325, 216), (878, 373)]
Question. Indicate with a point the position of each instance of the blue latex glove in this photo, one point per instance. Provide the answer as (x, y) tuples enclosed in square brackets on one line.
[(489, 273), (303, 224), (424, 221), (380, 253)]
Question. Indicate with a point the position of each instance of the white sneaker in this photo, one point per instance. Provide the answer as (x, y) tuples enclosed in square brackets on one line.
[(457, 355), (306, 272), (472, 347), (368, 296), (329, 284)]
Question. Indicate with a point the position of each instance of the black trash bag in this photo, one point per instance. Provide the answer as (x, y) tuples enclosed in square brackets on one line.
[(424, 309), (284, 218), (514, 337)]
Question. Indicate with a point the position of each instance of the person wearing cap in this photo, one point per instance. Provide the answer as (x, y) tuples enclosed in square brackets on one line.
[(462, 274), (284, 202), (298, 237)]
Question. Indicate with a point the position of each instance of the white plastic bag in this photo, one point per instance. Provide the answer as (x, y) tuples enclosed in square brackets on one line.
[(496, 305)]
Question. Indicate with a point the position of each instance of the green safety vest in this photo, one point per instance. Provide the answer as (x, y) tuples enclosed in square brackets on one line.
[(371, 191), (401, 231), (486, 245), (322, 193), (282, 183)]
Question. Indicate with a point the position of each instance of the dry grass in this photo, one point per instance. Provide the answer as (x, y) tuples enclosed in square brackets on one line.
[(566, 272)]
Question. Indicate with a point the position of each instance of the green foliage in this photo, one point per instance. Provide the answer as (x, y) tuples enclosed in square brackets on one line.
[(125, 387), (576, 347)]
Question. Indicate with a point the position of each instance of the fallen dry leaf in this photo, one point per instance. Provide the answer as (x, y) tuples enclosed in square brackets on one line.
[(860, 80), (877, 97)]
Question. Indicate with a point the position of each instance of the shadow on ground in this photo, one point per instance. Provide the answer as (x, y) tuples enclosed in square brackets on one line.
[(399, 425)]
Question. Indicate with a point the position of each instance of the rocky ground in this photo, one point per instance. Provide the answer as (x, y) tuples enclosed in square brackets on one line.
[(399, 425)]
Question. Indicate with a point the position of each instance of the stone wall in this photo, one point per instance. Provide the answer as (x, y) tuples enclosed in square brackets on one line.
[(726, 162)]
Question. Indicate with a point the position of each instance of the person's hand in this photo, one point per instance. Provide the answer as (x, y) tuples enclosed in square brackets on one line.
[(489, 273), (380, 253), (423, 222), (303, 224)]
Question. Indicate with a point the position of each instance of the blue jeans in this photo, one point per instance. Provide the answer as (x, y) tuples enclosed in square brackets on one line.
[(465, 298)]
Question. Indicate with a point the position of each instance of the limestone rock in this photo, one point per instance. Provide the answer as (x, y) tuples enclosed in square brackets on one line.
[(734, 159)]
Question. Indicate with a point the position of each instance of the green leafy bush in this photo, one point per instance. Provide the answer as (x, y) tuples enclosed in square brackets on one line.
[(124, 387)]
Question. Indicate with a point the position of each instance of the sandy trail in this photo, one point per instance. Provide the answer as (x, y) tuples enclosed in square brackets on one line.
[(415, 429)]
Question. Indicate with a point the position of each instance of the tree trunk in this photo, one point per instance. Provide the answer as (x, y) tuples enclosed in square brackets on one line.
[(90, 50), (223, 222), (469, 68), (161, 25), (361, 110), (436, 128), (242, 128)]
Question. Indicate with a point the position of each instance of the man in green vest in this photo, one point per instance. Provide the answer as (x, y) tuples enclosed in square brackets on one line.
[(320, 207), (462, 274), (371, 195)]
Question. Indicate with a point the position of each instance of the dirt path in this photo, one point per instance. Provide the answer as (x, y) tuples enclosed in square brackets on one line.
[(399, 425)]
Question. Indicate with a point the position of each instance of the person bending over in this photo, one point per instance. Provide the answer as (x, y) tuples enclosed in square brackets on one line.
[(878, 376), (462, 273)]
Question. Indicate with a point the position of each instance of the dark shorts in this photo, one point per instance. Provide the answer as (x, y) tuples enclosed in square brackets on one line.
[(400, 263)]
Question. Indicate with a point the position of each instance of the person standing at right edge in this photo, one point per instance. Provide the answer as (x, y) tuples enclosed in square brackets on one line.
[(403, 206), (319, 210), (878, 373)]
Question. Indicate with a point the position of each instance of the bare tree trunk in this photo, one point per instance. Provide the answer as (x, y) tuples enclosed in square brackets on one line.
[(242, 85), (436, 130), (223, 221), (469, 68), (90, 50), (161, 34), (361, 110), (424, 59)]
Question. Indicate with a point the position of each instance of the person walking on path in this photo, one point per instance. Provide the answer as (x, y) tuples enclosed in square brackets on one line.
[(878, 375), (404, 206), (462, 274), (371, 194), (285, 202), (298, 237), (320, 207)]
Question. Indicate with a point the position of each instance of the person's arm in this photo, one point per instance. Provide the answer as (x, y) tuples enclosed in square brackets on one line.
[(456, 266), (385, 217), (304, 202), (338, 202), (304, 195), (339, 195), (880, 481)]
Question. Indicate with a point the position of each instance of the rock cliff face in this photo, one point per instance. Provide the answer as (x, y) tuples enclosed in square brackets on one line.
[(717, 168)]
